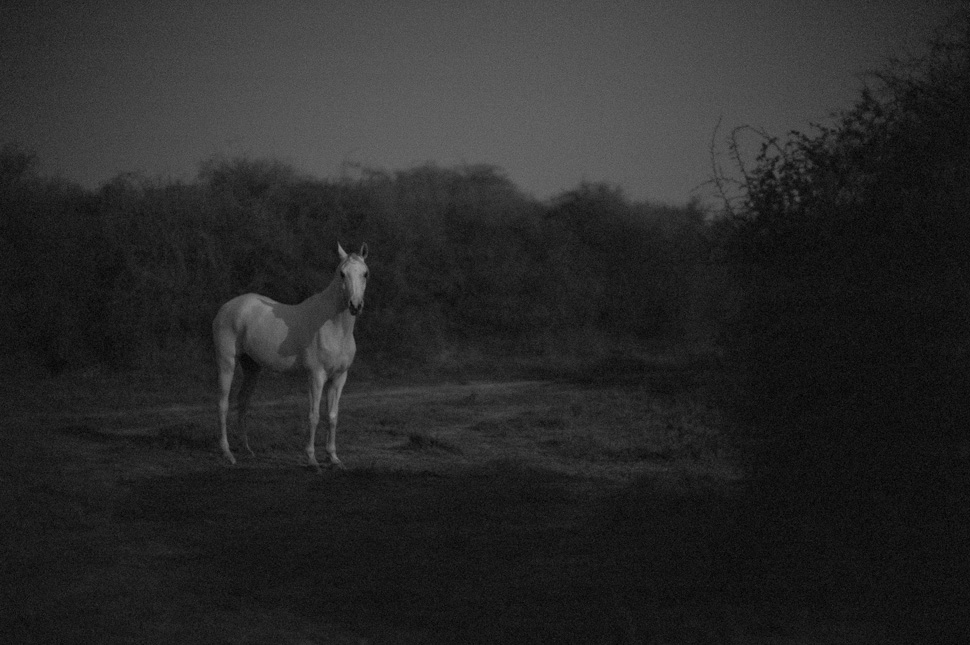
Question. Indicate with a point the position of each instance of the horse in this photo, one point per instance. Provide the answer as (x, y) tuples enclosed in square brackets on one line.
[(315, 336)]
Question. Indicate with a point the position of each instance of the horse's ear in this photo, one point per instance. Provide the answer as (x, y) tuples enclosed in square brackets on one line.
[(363, 251), (341, 252)]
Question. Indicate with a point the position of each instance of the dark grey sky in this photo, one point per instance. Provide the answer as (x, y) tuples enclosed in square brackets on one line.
[(555, 93)]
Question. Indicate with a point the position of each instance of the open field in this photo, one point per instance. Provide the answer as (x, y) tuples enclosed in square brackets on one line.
[(484, 511)]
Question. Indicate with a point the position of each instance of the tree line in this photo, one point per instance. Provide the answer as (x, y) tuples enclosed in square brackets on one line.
[(132, 272)]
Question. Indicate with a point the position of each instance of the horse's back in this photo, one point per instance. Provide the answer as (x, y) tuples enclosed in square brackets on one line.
[(234, 314)]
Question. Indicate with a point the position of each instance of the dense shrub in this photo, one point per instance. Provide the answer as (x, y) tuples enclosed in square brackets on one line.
[(851, 349), (460, 257)]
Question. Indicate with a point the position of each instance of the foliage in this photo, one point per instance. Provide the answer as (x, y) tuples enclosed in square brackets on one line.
[(130, 272), (46, 299), (851, 348)]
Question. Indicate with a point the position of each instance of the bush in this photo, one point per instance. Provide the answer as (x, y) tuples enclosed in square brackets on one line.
[(851, 348)]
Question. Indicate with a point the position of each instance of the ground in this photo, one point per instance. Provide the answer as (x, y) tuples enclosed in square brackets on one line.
[(558, 510)]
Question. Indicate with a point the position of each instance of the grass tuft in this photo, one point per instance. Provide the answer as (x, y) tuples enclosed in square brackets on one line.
[(425, 442)]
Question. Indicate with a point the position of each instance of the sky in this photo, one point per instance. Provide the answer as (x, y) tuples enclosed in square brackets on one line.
[(554, 93)]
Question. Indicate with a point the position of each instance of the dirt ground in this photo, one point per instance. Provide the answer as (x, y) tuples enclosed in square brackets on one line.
[(493, 512)]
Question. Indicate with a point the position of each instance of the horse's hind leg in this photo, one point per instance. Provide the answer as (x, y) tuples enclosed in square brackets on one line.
[(251, 371), (227, 365)]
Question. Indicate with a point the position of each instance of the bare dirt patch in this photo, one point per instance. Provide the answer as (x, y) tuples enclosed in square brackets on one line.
[(478, 512)]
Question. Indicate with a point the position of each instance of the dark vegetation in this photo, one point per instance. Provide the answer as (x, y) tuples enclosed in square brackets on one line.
[(132, 274), (840, 306), (847, 363), (850, 353)]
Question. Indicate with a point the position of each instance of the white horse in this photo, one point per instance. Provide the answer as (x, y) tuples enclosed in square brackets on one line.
[(316, 335)]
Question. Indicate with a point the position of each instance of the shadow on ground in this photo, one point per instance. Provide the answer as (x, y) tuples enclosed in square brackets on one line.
[(117, 535), (495, 553)]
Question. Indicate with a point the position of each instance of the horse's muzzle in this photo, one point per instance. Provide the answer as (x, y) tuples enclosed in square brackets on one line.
[(355, 309)]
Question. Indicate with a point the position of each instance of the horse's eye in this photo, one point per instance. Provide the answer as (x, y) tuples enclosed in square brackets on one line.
[(343, 274), (366, 273)]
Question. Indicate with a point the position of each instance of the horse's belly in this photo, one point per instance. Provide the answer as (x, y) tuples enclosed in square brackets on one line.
[(269, 351), (279, 363)]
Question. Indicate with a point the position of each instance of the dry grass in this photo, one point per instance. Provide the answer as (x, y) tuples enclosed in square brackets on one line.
[(535, 511)]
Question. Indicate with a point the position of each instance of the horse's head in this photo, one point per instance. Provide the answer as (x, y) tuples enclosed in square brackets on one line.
[(353, 275)]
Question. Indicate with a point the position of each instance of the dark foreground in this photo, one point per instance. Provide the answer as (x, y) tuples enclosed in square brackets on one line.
[(467, 514)]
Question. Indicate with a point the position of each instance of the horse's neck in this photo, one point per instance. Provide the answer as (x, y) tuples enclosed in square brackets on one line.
[(330, 304)]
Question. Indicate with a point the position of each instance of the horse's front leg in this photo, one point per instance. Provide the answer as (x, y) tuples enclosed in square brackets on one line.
[(334, 390), (317, 380)]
